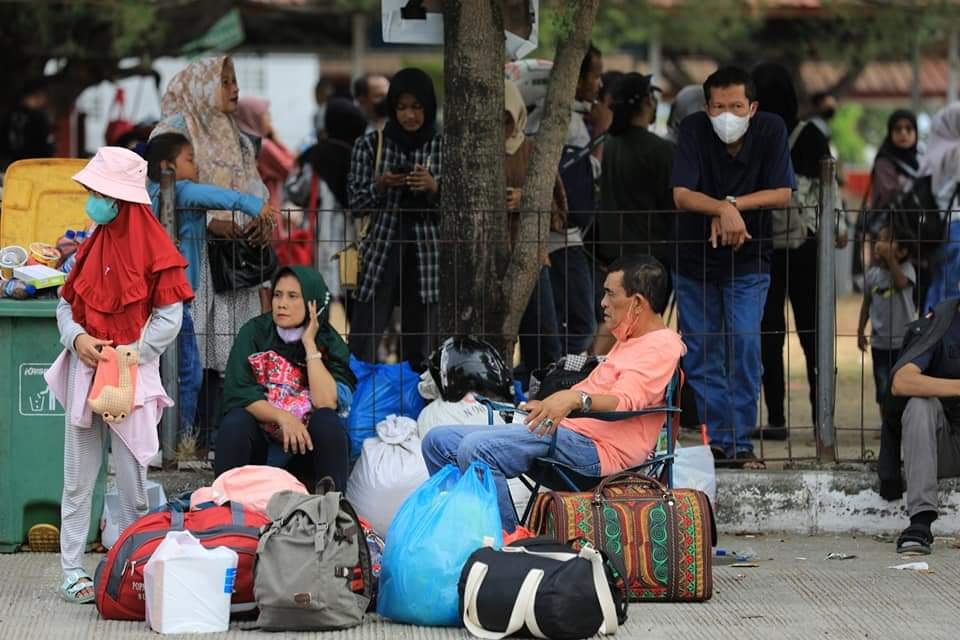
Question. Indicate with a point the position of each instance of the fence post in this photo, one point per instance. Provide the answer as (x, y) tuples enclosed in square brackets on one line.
[(826, 311), (169, 365)]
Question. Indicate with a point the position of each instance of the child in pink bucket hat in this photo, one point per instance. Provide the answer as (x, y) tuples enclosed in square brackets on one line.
[(118, 173), (127, 288)]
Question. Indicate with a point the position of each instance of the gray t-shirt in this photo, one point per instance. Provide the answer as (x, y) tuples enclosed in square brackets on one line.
[(890, 310)]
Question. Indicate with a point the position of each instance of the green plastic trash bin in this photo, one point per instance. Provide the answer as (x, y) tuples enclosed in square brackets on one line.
[(31, 424)]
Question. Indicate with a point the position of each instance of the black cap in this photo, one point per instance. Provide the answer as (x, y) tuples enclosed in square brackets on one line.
[(634, 87)]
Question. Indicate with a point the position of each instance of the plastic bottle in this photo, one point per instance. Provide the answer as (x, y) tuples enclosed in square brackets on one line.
[(729, 556), (18, 290), (70, 259), (67, 265), (67, 244)]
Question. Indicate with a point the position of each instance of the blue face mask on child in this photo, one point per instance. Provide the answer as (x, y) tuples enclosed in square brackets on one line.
[(101, 210)]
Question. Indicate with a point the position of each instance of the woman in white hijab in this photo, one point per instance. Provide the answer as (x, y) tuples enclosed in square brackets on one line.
[(942, 163)]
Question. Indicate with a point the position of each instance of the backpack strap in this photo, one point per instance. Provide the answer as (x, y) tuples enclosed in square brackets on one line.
[(795, 134), (176, 520), (366, 563)]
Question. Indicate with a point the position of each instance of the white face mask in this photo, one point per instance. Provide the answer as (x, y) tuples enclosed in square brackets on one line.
[(730, 127), (291, 335)]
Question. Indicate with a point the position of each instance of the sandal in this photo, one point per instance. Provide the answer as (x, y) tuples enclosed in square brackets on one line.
[(746, 460), (916, 540), (75, 583)]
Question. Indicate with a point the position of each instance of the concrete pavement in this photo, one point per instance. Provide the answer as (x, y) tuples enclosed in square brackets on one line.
[(794, 592)]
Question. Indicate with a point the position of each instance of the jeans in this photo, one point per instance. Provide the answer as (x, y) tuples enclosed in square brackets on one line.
[(539, 342), (720, 323), (790, 276), (571, 277), (945, 273), (191, 373), (242, 441), (883, 361), (509, 451)]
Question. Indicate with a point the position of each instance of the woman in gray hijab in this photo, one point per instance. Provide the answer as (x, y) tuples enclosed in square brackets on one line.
[(688, 100)]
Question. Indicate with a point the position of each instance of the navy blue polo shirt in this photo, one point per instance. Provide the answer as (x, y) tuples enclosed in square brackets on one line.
[(702, 163)]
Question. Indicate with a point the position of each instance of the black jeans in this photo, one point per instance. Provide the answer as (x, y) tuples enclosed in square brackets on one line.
[(539, 342), (793, 273), (242, 441), (399, 285), (571, 277), (883, 361)]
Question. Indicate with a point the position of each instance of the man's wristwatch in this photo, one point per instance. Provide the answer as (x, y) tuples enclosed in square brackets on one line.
[(732, 200), (586, 402)]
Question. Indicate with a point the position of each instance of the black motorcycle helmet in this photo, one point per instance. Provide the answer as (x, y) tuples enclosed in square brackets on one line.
[(465, 364)]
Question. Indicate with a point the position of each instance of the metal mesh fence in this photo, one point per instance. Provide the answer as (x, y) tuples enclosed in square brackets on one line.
[(753, 319)]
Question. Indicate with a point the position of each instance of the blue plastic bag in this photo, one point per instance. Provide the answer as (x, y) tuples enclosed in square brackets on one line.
[(382, 390), (445, 520)]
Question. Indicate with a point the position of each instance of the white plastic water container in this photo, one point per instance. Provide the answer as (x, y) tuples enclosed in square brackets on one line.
[(188, 587)]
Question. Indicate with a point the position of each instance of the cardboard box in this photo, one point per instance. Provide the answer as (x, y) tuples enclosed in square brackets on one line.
[(40, 276)]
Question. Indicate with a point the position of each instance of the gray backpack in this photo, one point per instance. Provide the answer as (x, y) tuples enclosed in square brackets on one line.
[(310, 560)]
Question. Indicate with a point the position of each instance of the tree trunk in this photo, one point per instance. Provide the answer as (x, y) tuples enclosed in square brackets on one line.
[(473, 222), (485, 286), (524, 266)]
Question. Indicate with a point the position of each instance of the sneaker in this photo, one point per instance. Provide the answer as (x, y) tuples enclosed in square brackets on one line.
[(519, 533)]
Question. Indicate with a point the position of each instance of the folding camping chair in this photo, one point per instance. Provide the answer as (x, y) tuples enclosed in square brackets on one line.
[(550, 473)]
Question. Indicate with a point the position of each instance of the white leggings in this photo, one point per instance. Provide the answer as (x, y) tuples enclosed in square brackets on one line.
[(82, 457)]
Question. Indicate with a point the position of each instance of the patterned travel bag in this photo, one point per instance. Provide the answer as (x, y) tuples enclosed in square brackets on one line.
[(663, 536)]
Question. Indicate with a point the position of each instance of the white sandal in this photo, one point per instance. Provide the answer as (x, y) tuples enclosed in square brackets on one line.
[(74, 584)]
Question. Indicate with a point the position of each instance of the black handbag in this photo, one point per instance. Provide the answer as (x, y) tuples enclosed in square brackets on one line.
[(561, 375), (538, 587), (240, 264)]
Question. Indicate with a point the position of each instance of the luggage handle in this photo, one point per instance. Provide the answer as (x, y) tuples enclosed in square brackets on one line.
[(522, 606), (236, 516), (629, 477), (524, 612)]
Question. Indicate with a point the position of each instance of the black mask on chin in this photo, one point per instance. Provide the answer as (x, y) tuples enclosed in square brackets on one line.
[(381, 109), (827, 114)]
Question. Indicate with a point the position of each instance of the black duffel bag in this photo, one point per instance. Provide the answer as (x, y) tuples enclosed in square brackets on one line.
[(538, 587)]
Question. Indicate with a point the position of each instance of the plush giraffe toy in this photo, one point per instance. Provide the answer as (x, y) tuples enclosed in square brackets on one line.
[(114, 386)]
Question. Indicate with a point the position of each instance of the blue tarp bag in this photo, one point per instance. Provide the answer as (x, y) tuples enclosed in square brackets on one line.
[(382, 390), (436, 529)]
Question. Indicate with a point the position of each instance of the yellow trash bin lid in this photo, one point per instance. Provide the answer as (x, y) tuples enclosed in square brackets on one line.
[(40, 201)]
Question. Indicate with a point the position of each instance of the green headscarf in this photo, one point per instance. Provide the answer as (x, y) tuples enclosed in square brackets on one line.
[(240, 388)]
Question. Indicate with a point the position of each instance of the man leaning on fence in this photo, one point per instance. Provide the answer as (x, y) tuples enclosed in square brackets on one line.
[(732, 164)]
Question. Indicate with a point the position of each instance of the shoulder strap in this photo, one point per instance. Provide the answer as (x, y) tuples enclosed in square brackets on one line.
[(904, 168), (379, 155), (795, 134), (953, 198)]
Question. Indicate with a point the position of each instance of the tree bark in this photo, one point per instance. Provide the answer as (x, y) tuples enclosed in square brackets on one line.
[(473, 222), (524, 266), (485, 286)]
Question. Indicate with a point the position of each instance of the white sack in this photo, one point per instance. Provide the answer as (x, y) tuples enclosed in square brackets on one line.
[(390, 467), (693, 468)]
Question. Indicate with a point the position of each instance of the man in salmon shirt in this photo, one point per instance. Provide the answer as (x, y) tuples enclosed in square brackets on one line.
[(634, 376)]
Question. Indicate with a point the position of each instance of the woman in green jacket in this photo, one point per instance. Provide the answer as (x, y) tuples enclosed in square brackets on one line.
[(287, 377)]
